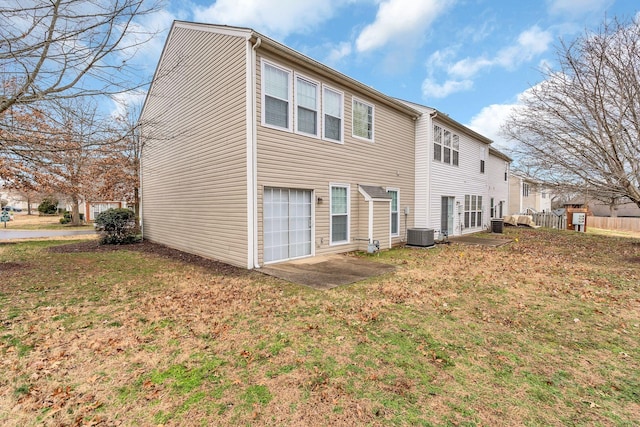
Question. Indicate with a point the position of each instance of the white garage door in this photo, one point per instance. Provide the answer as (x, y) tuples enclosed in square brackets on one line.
[(287, 224)]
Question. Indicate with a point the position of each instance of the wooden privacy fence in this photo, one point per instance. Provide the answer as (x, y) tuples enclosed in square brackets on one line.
[(607, 223), (550, 220)]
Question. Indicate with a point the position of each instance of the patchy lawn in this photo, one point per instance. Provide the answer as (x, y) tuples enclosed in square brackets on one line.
[(542, 331)]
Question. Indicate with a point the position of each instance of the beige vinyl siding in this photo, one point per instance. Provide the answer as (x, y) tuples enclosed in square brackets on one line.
[(194, 182), (290, 160), (382, 224)]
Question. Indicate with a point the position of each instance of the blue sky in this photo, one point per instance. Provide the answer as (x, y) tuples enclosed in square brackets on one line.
[(471, 59)]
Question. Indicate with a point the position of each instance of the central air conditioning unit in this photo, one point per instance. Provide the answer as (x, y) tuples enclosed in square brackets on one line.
[(420, 237)]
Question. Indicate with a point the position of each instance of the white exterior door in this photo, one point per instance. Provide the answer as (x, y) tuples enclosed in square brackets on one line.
[(287, 224)]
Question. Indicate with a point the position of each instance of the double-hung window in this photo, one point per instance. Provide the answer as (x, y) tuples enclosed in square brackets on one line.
[(332, 102), (472, 211), (306, 106), (339, 214), (276, 96), (362, 119), (395, 217)]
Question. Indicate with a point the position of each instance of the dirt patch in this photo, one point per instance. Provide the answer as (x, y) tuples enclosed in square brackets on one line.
[(151, 248), (12, 266)]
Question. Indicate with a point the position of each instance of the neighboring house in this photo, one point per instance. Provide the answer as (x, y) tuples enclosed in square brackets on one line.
[(498, 169), (92, 209), (452, 175), (275, 155), (527, 195)]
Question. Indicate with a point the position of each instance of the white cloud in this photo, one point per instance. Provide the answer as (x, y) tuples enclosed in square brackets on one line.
[(531, 42), (338, 52), (431, 89), (576, 7), (277, 18), (399, 19), (489, 121)]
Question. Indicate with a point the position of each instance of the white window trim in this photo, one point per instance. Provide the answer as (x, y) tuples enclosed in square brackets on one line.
[(373, 119), (397, 190), (335, 141), (263, 95), (342, 242), (319, 123)]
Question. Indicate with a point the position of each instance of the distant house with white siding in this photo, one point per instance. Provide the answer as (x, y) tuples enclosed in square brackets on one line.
[(498, 169), (527, 195), (452, 175), (277, 155)]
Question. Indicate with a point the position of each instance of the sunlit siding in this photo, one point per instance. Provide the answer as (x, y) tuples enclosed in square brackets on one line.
[(194, 182), (290, 160)]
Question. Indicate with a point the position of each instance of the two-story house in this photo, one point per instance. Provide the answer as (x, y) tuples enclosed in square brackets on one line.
[(254, 153), (527, 195), (452, 175)]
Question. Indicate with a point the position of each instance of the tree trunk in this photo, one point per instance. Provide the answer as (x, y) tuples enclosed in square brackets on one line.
[(75, 211)]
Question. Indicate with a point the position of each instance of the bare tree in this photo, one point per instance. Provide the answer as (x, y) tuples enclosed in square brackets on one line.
[(52, 49), (580, 128)]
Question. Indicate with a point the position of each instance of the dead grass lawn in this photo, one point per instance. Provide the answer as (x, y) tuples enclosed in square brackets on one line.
[(542, 331)]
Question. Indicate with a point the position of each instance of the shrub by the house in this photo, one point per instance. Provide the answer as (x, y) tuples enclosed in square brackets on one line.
[(116, 226)]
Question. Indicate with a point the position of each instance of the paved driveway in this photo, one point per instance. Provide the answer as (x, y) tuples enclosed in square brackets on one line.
[(326, 272)]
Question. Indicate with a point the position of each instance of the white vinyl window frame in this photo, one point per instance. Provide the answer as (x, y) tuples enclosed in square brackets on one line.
[(285, 96), (362, 127), (332, 113), (339, 213), (302, 102), (394, 211)]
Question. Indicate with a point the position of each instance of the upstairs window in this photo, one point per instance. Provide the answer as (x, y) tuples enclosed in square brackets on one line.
[(481, 166), (306, 106), (332, 114), (525, 189), (277, 96), (362, 120), (446, 146)]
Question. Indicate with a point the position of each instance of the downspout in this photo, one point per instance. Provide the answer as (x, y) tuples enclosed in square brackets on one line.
[(252, 163)]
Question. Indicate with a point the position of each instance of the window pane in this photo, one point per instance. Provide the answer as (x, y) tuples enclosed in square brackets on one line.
[(479, 203), (394, 223), (467, 202), (447, 155), (276, 112), (466, 220), (306, 94), (456, 159), (437, 134), (362, 120), (455, 142), (339, 228), (332, 126), (447, 138), (338, 200), (276, 82), (332, 103), (437, 152), (306, 120)]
